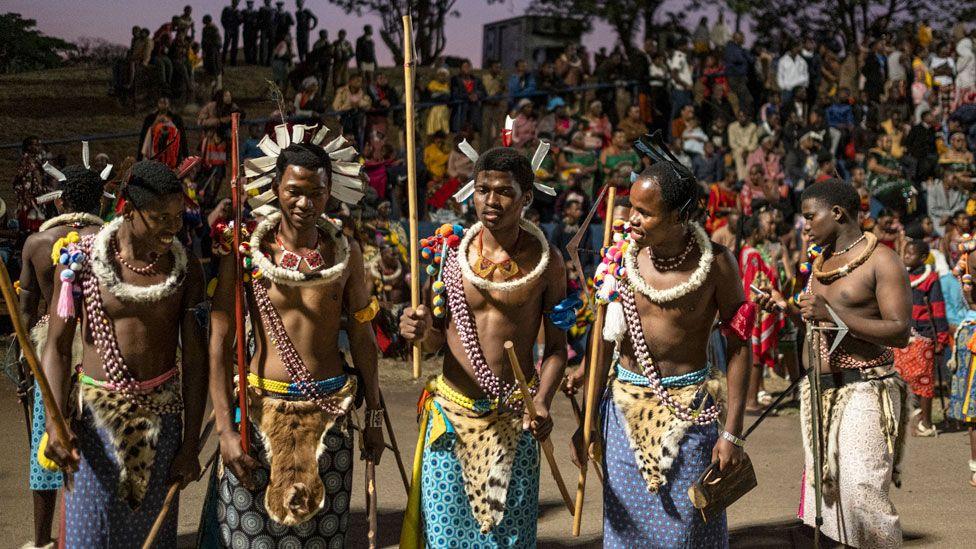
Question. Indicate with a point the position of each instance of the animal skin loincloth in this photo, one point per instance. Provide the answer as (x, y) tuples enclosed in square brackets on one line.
[(833, 403), (654, 432), (293, 436), (132, 429), (485, 447)]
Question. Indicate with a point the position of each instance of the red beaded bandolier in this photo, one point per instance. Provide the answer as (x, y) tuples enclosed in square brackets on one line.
[(107, 344)]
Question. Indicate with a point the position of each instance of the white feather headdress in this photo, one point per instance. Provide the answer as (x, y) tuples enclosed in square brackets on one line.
[(541, 151), (346, 183), (61, 178)]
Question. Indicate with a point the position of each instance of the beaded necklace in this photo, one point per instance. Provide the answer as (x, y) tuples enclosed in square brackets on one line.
[(148, 270), (671, 263), (467, 329), (107, 343), (294, 365), (643, 355), (844, 270)]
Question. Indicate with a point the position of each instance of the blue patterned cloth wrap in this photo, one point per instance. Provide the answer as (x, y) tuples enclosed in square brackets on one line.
[(40, 478), (448, 520), (633, 516), (563, 315), (962, 399)]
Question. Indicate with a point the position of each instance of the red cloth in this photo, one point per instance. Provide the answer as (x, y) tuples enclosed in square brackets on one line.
[(718, 198), (443, 193), (742, 323), (765, 333), (915, 363)]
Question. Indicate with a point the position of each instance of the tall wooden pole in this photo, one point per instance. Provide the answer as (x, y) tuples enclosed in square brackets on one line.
[(237, 199), (596, 340), (50, 405), (408, 88)]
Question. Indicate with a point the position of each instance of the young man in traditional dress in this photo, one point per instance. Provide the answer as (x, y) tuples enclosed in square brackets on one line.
[(476, 470), (930, 335), (136, 411), (666, 283), (305, 275), (863, 400), (78, 200)]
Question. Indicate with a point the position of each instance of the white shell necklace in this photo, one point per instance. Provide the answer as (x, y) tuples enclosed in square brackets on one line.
[(75, 218), (286, 277), (676, 292), (104, 269), (508, 285)]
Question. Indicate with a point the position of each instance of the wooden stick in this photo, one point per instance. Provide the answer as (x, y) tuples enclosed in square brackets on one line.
[(161, 517), (237, 200), (596, 337), (50, 405), (371, 502), (408, 87), (547, 443), (394, 446)]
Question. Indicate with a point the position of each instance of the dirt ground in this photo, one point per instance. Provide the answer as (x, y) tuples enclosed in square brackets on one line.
[(935, 501)]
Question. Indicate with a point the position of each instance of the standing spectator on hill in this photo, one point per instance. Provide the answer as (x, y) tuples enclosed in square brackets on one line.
[(341, 54), (366, 54), (812, 57), (231, 19), (281, 62), (681, 78), (875, 71), (306, 21), (521, 84), (185, 23), (965, 87), (720, 32), (210, 43), (467, 93), (321, 59), (283, 21), (792, 73), (266, 24), (920, 145), (738, 64), (249, 19)]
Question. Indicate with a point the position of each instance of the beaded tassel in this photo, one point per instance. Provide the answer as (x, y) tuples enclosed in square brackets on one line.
[(434, 249)]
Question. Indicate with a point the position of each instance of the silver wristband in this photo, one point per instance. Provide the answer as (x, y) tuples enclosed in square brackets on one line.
[(740, 442)]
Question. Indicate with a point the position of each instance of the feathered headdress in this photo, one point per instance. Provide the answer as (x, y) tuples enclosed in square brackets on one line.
[(61, 178), (346, 183), (540, 154)]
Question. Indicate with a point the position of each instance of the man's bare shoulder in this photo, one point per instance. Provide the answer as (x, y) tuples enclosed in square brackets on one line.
[(556, 267), (725, 267)]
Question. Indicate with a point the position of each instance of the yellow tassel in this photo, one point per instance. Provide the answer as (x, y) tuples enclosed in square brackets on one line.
[(42, 459)]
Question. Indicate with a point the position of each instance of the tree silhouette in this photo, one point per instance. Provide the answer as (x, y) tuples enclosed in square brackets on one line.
[(24, 48)]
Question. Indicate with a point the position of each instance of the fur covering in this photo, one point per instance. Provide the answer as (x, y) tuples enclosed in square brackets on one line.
[(133, 430), (654, 432), (293, 434), (833, 403), (38, 335), (485, 446)]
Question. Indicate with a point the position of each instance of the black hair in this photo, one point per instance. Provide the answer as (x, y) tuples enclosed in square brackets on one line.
[(150, 180), (82, 190), (834, 192), (915, 231), (748, 225), (505, 159), (621, 202), (921, 246), (25, 145), (824, 157), (680, 191), (886, 212), (307, 156)]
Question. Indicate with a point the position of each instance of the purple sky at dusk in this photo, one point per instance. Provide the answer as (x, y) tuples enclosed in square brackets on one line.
[(72, 19)]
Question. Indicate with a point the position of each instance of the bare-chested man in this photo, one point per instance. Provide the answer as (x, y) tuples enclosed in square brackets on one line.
[(864, 401), (295, 483), (479, 480), (80, 195), (660, 412), (138, 428)]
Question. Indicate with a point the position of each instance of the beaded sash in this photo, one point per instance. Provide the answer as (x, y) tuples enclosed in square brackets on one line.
[(643, 355), (107, 343), (297, 370)]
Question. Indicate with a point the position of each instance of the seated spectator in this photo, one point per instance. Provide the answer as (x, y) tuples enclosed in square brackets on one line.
[(768, 158), (694, 138), (599, 130), (956, 163), (619, 154), (377, 159), (959, 225), (351, 102), (578, 164), (679, 124), (384, 96), (886, 179), (217, 113), (467, 93), (632, 125), (525, 126), (743, 139), (439, 91), (557, 122), (709, 167), (889, 230), (436, 156), (308, 101), (723, 200), (565, 229)]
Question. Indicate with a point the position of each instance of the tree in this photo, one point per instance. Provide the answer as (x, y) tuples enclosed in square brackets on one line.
[(428, 16), (848, 21), (24, 48)]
